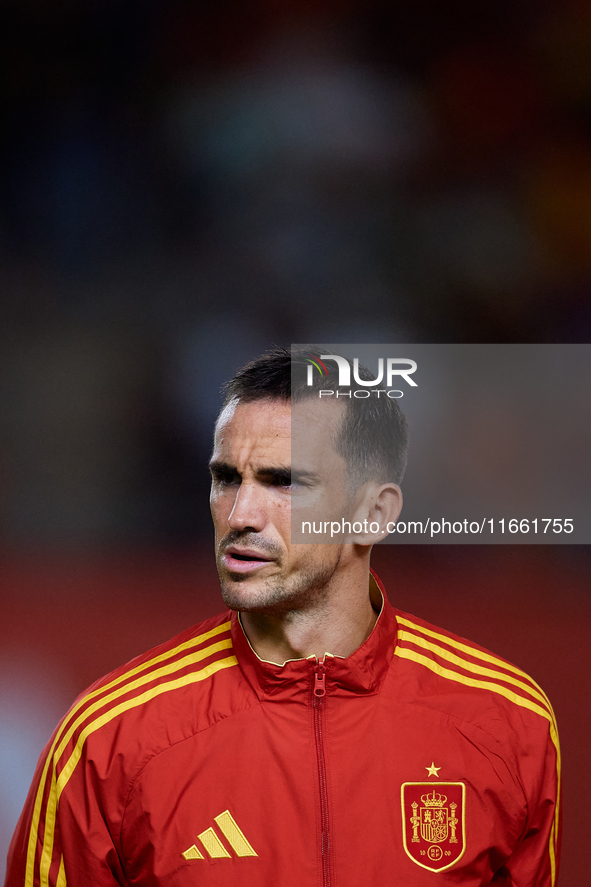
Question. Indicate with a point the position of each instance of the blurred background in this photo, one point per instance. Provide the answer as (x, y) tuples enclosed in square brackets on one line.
[(183, 184)]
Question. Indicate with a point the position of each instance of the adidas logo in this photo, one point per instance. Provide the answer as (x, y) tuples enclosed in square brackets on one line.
[(213, 845)]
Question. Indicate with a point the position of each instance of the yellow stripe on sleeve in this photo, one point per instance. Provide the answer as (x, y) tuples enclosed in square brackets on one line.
[(474, 667), (157, 674), (405, 653), (471, 651), (552, 854), (62, 781), (167, 654), (166, 670)]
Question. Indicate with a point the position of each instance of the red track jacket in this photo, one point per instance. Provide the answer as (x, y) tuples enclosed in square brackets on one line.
[(421, 759)]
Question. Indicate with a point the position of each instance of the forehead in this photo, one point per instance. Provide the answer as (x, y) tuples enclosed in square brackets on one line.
[(265, 430), (253, 428)]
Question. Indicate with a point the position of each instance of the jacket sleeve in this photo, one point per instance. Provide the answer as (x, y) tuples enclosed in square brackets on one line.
[(535, 860), (63, 838)]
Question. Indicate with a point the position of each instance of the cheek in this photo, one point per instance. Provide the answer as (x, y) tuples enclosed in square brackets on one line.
[(311, 556), (220, 505), (282, 521)]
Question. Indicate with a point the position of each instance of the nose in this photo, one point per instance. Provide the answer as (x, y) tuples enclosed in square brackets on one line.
[(248, 511)]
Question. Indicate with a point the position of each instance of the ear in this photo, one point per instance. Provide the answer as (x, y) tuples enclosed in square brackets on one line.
[(377, 507)]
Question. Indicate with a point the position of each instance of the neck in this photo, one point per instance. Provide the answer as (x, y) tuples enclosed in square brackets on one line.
[(338, 624)]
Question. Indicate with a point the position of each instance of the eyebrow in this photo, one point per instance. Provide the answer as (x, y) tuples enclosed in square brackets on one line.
[(218, 467), (284, 472)]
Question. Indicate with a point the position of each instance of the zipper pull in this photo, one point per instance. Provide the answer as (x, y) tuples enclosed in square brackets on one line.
[(319, 679)]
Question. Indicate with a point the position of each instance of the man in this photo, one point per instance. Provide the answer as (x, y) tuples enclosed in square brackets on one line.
[(313, 735)]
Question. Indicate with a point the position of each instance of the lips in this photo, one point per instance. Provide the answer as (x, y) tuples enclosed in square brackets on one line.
[(244, 560)]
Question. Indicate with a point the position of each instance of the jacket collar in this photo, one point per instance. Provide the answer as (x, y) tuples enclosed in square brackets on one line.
[(361, 672)]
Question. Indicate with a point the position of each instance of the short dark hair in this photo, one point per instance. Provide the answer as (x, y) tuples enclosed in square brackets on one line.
[(373, 437)]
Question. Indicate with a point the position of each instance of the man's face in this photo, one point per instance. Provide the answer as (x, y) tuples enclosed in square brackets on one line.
[(256, 491)]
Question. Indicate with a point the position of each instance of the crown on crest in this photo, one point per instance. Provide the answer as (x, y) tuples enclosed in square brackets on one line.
[(434, 800)]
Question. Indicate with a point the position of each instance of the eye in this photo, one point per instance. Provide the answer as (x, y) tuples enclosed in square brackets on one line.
[(281, 480), (225, 477)]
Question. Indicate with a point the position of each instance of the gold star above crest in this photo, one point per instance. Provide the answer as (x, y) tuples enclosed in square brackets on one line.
[(432, 770)]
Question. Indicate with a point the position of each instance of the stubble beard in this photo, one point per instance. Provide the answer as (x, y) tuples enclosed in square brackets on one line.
[(276, 595)]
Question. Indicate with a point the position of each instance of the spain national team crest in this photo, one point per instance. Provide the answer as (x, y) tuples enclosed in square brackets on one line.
[(433, 823)]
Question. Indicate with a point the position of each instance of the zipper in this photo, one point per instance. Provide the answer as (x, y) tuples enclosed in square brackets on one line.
[(319, 694)]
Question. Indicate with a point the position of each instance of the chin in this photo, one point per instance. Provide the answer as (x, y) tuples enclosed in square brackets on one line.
[(240, 594), (277, 596)]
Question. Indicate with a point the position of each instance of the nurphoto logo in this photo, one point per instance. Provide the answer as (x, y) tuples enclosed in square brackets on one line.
[(400, 368)]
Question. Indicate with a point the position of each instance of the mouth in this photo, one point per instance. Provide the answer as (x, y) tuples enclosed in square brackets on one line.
[(244, 560)]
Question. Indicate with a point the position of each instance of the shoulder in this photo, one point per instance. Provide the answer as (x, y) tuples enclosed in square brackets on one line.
[(152, 702), (195, 648), (120, 723), (469, 679)]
